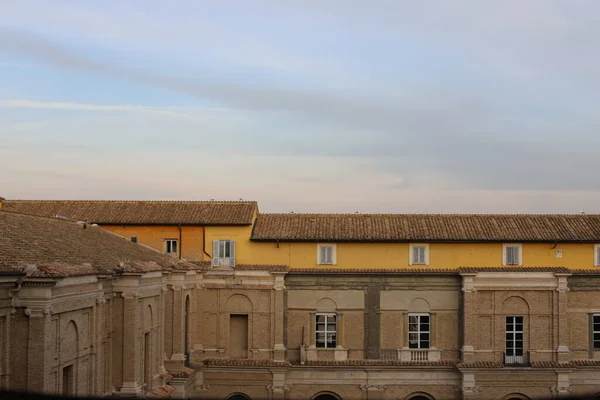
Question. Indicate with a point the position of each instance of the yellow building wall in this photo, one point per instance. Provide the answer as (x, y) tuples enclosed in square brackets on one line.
[(355, 255), (155, 236)]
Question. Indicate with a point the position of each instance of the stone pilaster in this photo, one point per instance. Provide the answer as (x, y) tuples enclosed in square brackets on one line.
[(468, 317), (177, 361), (278, 293), (131, 344), (563, 353), (38, 357)]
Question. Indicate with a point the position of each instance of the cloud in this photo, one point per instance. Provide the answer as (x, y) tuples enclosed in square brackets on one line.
[(506, 99)]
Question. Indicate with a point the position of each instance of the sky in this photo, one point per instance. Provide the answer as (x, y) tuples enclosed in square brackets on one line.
[(376, 106)]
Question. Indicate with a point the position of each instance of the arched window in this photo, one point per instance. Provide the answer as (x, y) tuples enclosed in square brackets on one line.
[(326, 396), (238, 396), (419, 396)]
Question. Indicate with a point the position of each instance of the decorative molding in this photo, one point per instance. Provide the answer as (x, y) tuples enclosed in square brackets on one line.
[(279, 388), (100, 300), (38, 312)]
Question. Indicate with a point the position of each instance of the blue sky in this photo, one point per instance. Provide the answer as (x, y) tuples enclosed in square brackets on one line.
[(330, 106)]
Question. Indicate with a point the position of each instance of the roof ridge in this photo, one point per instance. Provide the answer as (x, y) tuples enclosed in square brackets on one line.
[(430, 214), (56, 218), (133, 201)]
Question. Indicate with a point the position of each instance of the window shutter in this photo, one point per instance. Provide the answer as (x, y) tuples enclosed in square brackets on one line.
[(215, 254), (322, 255), (510, 255), (597, 261), (516, 255), (232, 253), (421, 255), (415, 255)]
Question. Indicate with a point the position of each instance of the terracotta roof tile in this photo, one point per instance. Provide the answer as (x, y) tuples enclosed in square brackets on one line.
[(140, 212), (481, 364), (558, 270), (222, 362), (382, 363), (406, 271), (585, 363), (427, 227), (40, 246)]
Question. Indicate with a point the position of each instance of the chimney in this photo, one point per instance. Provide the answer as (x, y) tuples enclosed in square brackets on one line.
[(81, 224), (1, 200)]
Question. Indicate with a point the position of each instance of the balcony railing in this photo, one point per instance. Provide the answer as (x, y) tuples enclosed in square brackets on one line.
[(516, 361), (406, 354)]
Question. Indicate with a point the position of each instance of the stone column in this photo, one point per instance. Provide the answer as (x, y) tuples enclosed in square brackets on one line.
[(131, 344), (563, 353), (278, 289), (468, 317), (38, 376)]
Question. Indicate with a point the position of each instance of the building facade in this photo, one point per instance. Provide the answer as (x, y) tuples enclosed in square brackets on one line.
[(245, 305)]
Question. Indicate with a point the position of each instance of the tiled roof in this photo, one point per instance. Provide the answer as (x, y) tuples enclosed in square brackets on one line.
[(140, 212), (427, 227), (381, 363), (40, 246), (534, 364), (223, 362), (406, 271), (432, 271), (558, 270)]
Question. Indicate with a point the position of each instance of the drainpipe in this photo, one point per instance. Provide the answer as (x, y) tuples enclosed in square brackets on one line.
[(204, 243), (180, 243)]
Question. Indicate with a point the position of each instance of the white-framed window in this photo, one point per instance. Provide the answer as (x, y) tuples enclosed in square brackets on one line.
[(326, 330), (223, 253), (171, 246), (512, 254), (419, 254), (326, 254), (596, 332), (597, 255), (514, 340), (419, 329)]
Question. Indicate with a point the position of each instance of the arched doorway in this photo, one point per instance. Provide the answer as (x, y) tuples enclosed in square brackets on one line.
[(326, 396), (186, 331), (238, 396)]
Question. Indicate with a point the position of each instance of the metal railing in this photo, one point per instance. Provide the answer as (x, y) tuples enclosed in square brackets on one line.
[(516, 360)]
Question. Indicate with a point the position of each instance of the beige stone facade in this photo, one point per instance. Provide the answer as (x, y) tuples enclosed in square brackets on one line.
[(86, 312)]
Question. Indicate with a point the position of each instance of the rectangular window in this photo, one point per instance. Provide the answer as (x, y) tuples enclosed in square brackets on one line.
[(223, 253), (418, 331), (514, 340), (419, 254), (597, 255), (171, 246), (326, 254), (596, 332), (512, 254), (326, 330)]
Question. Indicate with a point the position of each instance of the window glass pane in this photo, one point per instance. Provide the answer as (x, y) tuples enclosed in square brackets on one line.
[(519, 336), (413, 337), (424, 344), (331, 340), (425, 318), (519, 352), (331, 318), (597, 326), (413, 319), (424, 326), (425, 336), (321, 327), (519, 320), (509, 336), (221, 249), (321, 318), (596, 336), (413, 327)]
